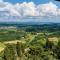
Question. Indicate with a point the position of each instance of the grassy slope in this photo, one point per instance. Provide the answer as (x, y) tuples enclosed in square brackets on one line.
[(2, 46)]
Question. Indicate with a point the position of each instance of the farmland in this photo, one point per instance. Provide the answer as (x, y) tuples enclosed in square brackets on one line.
[(30, 42)]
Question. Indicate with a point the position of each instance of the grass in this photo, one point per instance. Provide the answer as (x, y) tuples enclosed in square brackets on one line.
[(9, 36), (2, 46)]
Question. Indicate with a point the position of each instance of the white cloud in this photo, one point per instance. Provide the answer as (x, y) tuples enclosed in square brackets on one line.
[(47, 9), (28, 10)]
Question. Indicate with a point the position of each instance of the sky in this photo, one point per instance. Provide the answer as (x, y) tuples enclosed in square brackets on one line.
[(29, 11), (35, 1)]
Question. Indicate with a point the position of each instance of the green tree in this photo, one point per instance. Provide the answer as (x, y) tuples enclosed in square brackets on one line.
[(57, 50), (10, 53), (20, 49), (49, 44)]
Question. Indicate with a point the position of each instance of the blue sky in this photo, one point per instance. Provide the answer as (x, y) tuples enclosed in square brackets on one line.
[(35, 1)]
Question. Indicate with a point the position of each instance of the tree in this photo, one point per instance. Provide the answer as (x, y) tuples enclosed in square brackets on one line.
[(57, 50), (10, 53), (49, 44), (20, 49)]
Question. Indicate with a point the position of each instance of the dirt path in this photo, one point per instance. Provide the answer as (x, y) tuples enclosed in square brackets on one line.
[(13, 42)]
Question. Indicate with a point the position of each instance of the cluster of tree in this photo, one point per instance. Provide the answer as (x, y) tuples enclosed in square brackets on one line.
[(40, 48), (42, 27), (10, 35)]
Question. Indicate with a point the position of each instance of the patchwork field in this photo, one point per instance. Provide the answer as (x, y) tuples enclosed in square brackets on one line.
[(35, 42)]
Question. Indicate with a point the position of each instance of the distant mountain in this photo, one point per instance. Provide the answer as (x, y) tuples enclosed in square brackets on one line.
[(29, 23)]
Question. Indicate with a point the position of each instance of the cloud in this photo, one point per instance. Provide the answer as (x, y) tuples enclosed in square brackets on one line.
[(31, 9), (28, 10), (1, 0), (47, 9)]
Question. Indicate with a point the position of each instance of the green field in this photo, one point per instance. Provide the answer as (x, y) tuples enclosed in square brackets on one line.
[(29, 43)]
